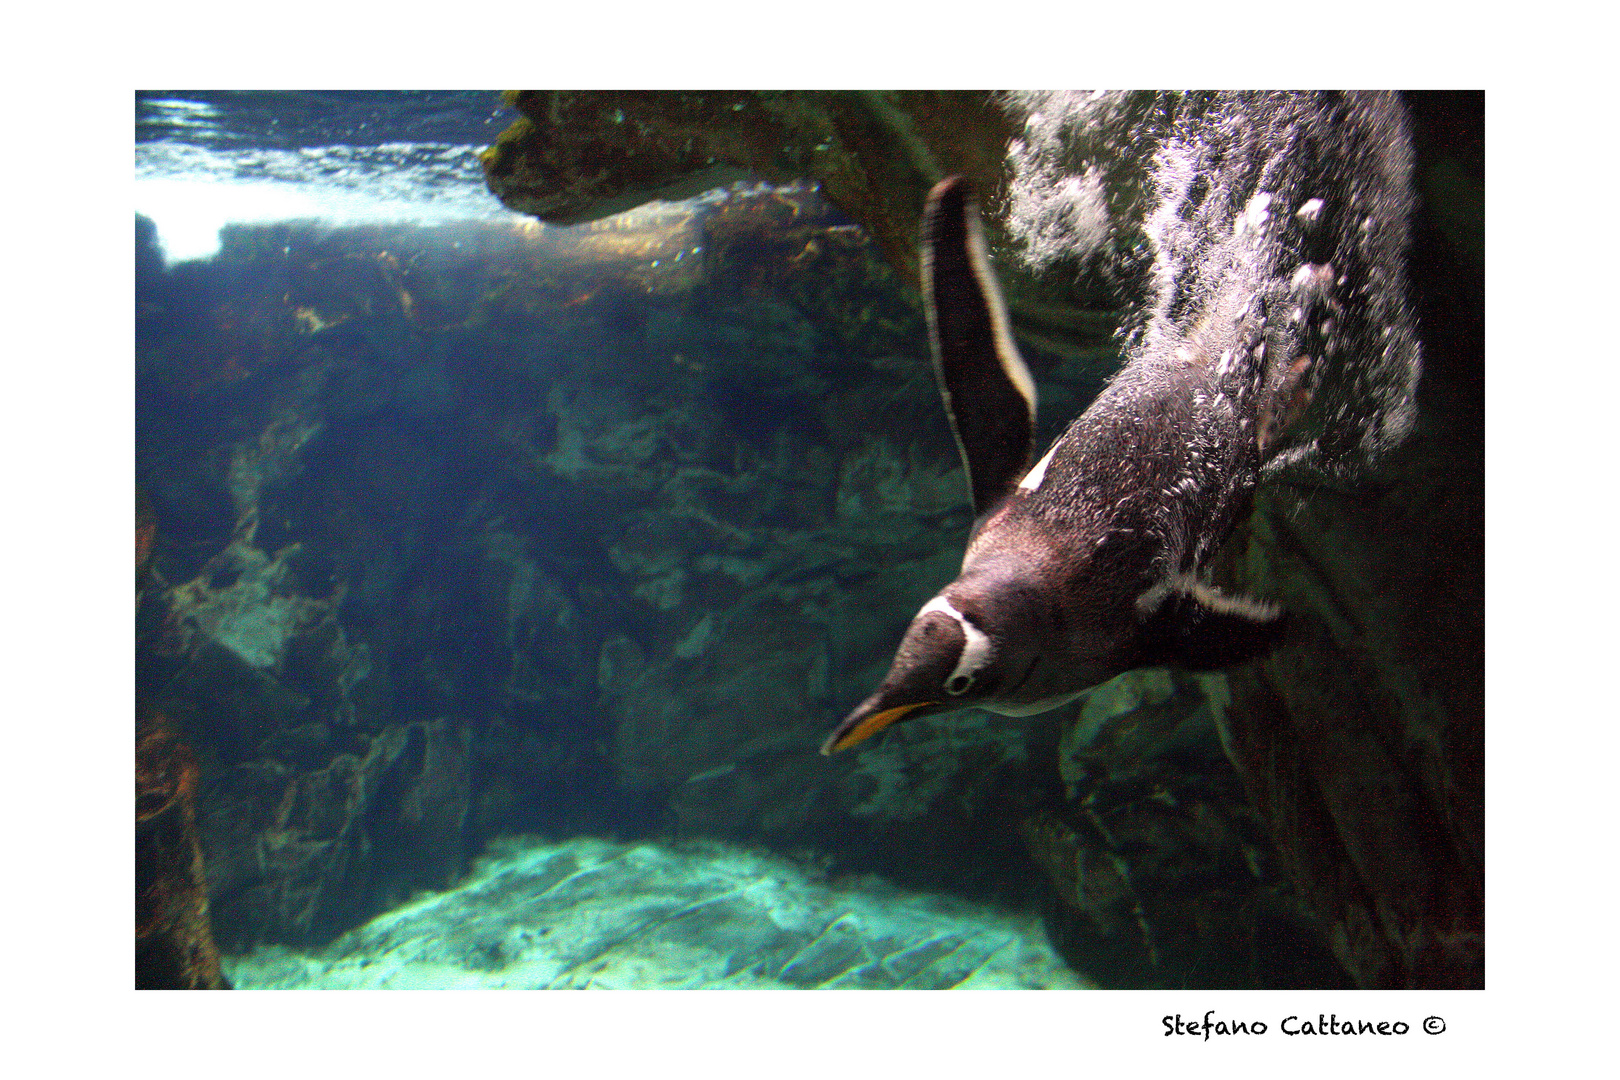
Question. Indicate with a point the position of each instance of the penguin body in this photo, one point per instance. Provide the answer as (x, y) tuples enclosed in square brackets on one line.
[(1085, 563)]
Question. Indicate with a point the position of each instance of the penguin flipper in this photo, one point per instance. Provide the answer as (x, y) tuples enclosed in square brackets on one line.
[(1194, 627), (988, 391)]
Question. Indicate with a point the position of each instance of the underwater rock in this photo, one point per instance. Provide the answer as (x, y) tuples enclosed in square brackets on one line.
[(247, 617), (578, 155), (145, 537), (583, 155), (591, 914), (905, 778), (174, 943), (306, 853), (1166, 870), (313, 818), (1363, 743), (1127, 721)]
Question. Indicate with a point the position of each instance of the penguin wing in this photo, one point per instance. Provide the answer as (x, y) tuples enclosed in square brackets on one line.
[(989, 393)]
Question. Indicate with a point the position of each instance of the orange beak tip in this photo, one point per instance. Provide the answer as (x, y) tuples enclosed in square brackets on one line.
[(847, 734)]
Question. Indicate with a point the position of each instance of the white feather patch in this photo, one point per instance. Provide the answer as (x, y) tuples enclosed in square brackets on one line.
[(1006, 348), (978, 649), (1246, 607), (1030, 708), (1032, 479)]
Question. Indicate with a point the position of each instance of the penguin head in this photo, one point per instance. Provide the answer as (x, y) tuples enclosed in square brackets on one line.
[(958, 651)]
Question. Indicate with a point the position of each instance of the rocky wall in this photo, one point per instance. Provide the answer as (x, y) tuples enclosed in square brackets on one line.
[(490, 529), (174, 943), (1361, 741)]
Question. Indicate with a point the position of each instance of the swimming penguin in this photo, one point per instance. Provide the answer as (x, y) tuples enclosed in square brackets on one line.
[(1086, 564)]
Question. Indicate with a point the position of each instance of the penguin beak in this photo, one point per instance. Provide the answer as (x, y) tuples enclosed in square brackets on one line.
[(929, 651), (867, 720)]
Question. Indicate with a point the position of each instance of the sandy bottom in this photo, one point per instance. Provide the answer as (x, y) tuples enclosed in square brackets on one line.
[(592, 914)]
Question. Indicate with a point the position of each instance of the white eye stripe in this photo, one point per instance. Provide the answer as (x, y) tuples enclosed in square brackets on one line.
[(976, 653)]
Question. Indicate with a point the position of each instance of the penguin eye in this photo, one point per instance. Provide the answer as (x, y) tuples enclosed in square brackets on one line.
[(957, 685)]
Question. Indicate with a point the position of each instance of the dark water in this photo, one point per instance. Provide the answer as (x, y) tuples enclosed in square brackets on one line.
[(564, 549)]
